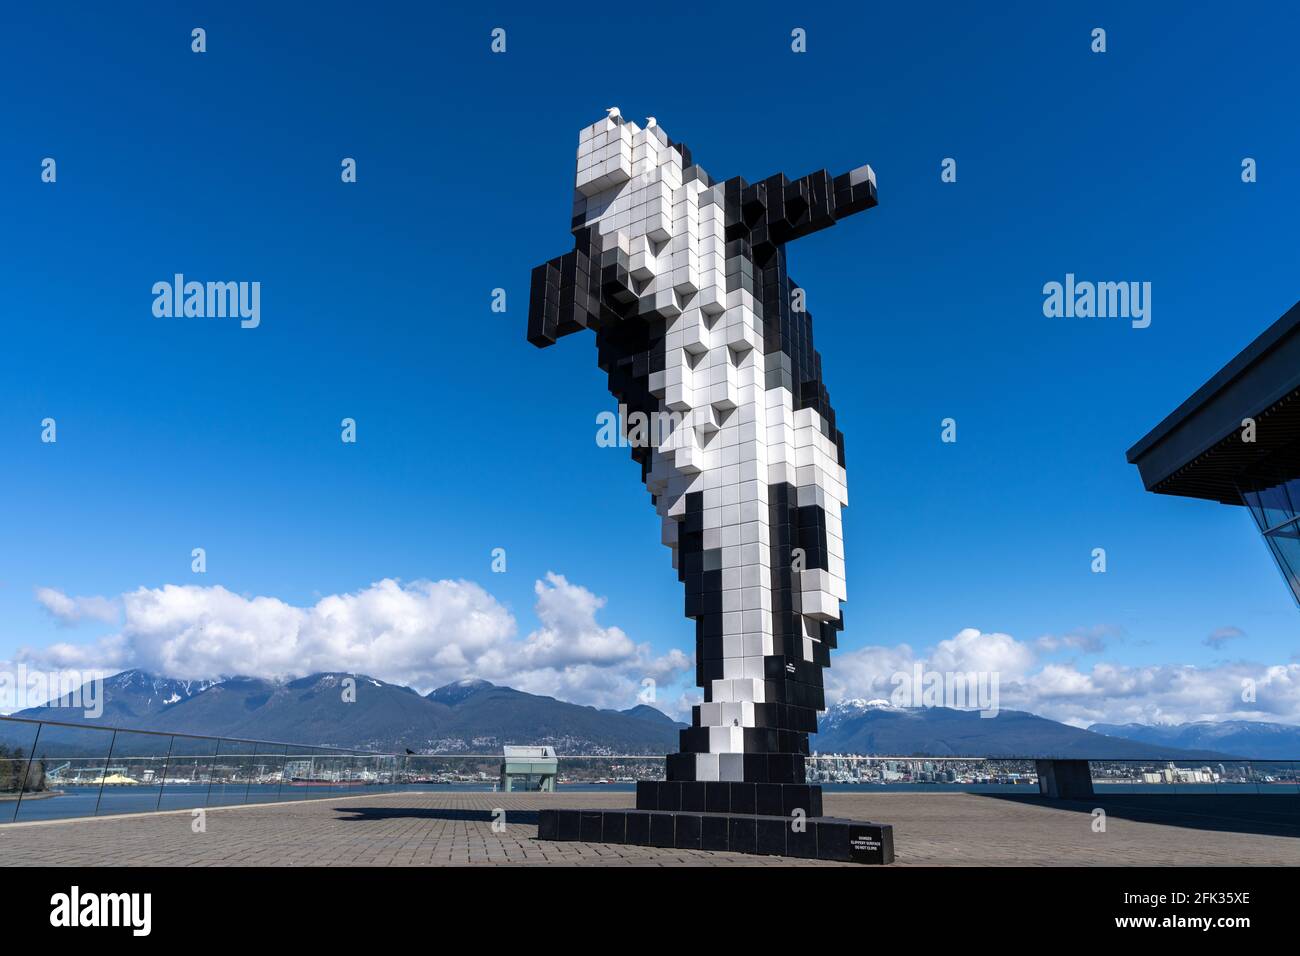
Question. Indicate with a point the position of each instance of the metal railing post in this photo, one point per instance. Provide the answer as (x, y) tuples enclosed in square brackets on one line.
[(103, 777), (162, 783), (27, 770), (284, 765), (212, 771)]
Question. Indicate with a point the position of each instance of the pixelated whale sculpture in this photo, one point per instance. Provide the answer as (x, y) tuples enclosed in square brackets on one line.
[(703, 333)]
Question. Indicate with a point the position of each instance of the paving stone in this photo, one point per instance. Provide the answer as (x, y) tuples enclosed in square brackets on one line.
[(455, 829)]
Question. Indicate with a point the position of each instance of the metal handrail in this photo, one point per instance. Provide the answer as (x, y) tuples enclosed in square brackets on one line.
[(167, 733)]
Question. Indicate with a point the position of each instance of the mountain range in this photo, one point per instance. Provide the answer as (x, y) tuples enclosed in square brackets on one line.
[(877, 727), (475, 716), (470, 716), (1254, 739)]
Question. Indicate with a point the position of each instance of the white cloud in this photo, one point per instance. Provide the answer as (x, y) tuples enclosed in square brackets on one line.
[(866, 672), (416, 634), (1104, 693), (422, 634), (427, 633), (69, 611), (571, 656), (971, 650), (569, 633)]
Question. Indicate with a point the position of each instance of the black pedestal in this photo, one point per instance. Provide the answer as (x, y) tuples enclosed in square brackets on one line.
[(762, 799), (758, 818), (819, 838)]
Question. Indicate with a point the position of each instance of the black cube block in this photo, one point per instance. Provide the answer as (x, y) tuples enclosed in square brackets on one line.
[(662, 829), (770, 835), (687, 834), (717, 797), (871, 843), (693, 797), (681, 766), (801, 840), (741, 834), (546, 825), (670, 795), (832, 839), (768, 800), (743, 798), (590, 826), (567, 824), (780, 769), (613, 826), (713, 833), (815, 797), (647, 794), (797, 796), (638, 828)]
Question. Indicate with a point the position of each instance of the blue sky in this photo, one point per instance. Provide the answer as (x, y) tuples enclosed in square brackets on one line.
[(175, 434)]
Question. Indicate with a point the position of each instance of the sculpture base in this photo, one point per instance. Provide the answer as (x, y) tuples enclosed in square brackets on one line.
[(818, 838), (761, 799)]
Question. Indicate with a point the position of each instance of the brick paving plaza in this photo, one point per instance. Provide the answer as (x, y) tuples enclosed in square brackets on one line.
[(440, 829)]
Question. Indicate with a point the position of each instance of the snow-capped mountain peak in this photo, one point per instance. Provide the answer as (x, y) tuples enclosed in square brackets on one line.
[(859, 704)]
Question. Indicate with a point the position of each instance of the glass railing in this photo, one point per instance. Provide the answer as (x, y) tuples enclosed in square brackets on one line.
[(482, 771), (1003, 774), (51, 770)]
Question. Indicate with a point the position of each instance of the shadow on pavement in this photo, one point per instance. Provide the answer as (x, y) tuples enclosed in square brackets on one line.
[(528, 817), (1268, 815)]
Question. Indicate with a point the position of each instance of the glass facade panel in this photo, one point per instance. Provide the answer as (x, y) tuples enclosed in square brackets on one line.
[(1284, 542), (1274, 503)]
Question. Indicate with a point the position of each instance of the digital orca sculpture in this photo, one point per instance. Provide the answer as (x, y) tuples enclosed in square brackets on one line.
[(701, 330)]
